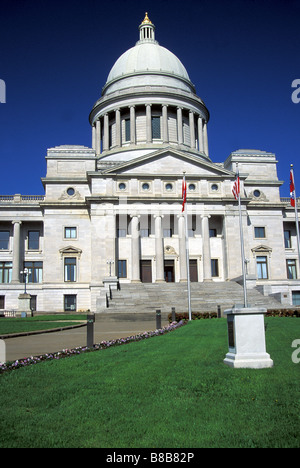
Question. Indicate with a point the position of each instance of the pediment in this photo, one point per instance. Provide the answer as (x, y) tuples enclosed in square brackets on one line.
[(170, 161), (261, 249), (70, 250)]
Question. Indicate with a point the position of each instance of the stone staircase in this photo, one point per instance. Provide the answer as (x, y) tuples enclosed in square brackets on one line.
[(145, 298)]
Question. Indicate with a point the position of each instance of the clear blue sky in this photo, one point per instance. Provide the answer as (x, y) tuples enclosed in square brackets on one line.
[(242, 56)]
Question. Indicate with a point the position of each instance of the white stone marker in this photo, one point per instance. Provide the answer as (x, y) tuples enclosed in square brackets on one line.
[(246, 338)]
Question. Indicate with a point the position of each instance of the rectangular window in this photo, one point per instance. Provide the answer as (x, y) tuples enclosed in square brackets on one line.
[(214, 267), (156, 127), (35, 272), (122, 268), (2, 302), (5, 272), (33, 240), (144, 232), (212, 233), (262, 267), (296, 297), (121, 232), (4, 240), (259, 233), (127, 129), (287, 239), (167, 232), (70, 302), (70, 269), (70, 232), (291, 269)]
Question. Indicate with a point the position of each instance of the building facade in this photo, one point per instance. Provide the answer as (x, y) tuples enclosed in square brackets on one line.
[(112, 213)]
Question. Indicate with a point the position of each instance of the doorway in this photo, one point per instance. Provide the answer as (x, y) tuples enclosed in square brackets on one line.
[(193, 271), (169, 271), (146, 271)]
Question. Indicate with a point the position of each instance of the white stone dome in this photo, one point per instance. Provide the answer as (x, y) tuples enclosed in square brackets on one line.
[(146, 64)]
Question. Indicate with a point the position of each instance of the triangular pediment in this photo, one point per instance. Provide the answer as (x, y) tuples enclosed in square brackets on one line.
[(70, 250), (170, 161)]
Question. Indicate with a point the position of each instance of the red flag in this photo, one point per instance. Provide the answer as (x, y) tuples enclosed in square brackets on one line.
[(236, 187), (183, 194), (292, 188)]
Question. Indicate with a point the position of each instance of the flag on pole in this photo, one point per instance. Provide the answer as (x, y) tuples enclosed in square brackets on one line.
[(236, 186), (292, 188), (183, 193)]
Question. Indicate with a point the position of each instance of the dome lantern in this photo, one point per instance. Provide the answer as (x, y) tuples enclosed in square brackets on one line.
[(147, 30)]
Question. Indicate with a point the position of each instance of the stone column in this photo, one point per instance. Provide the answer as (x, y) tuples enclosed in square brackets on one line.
[(159, 249), (118, 127), (106, 133), (200, 134), (148, 124), (205, 138), (135, 249), (179, 125), (192, 129), (16, 252), (94, 136), (165, 124), (182, 248), (132, 125), (206, 248), (98, 137)]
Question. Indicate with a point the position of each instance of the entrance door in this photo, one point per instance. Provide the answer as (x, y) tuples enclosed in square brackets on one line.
[(169, 271), (193, 271), (146, 271)]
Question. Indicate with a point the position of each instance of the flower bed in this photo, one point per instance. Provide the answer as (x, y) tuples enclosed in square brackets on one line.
[(8, 366)]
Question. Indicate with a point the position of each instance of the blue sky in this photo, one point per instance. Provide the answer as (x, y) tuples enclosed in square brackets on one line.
[(242, 56)]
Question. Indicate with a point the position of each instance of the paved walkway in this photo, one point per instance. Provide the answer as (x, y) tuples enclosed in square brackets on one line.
[(35, 345)]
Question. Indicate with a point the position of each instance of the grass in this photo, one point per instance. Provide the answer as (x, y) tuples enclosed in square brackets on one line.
[(39, 322), (171, 391)]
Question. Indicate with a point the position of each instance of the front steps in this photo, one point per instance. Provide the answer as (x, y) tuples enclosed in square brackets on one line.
[(146, 298)]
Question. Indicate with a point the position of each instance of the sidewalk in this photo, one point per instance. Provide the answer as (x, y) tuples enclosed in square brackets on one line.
[(104, 330)]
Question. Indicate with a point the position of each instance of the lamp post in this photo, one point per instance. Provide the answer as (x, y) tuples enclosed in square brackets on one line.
[(24, 273)]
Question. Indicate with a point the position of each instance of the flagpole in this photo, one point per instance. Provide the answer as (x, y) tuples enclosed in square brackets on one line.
[(187, 251), (242, 246), (296, 215)]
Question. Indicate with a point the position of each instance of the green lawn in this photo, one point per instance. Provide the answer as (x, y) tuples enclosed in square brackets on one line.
[(170, 391), (41, 322)]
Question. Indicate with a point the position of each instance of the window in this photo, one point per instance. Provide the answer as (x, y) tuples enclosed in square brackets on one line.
[(213, 233), (146, 186), (35, 272), (4, 240), (169, 186), (214, 187), (192, 187), (167, 232), (262, 267), (70, 191), (122, 186), (121, 232), (122, 268), (214, 267), (259, 232), (70, 269), (144, 232), (191, 233), (296, 297), (127, 129), (156, 127), (69, 302), (33, 240), (287, 240), (5, 272), (291, 269), (70, 232), (257, 193), (2, 302)]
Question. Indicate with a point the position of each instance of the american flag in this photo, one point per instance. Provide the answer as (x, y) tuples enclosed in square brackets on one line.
[(292, 188), (183, 193), (236, 187)]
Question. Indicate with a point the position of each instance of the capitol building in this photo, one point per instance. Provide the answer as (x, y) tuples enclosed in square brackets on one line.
[(111, 215)]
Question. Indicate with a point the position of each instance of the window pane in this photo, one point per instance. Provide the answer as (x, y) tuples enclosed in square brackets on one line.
[(127, 130), (70, 302), (259, 232), (70, 269), (5, 272), (262, 270), (214, 267), (4, 240), (296, 297), (291, 269), (122, 269), (70, 232), (156, 127), (33, 240), (287, 239)]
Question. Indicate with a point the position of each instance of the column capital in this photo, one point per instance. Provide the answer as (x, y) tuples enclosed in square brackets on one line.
[(158, 216), (205, 216), (16, 221)]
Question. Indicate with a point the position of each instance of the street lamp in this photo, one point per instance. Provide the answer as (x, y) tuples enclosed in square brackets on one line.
[(24, 273)]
